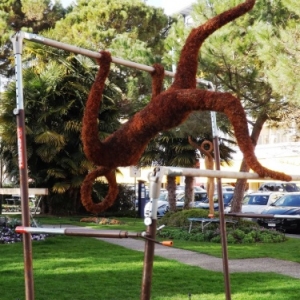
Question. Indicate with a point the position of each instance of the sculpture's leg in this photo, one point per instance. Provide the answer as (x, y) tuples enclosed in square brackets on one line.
[(230, 105), (87, 188)]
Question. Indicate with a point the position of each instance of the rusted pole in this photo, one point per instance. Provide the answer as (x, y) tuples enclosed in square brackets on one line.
[(148, 261), (221, 205), (222, 225), (17, 41), (151, 223)]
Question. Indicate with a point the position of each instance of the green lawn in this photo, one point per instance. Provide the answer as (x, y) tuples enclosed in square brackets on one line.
[(291, 247), (85, 268)]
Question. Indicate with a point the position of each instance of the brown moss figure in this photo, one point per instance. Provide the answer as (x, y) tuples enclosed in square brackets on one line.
[(92, 144), (165, 111)]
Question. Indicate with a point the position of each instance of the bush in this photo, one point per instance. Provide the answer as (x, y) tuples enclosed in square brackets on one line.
[(67, 204), (180, 218), (243, 232)]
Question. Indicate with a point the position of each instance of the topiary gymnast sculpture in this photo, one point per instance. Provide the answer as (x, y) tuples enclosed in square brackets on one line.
[(166, 110)]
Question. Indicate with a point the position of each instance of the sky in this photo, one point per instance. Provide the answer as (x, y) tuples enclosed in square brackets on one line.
[(170, 6)]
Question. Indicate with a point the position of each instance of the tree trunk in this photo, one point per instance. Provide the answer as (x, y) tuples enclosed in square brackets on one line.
[(188, 191), (236, 204), (44, 205), (74, 196), (171, 188)]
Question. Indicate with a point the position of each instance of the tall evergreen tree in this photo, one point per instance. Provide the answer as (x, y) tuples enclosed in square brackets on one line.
[(232, 59), (29, 15)]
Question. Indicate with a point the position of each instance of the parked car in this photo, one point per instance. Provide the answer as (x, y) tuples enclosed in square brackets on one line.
[(181, 188), (199, 189), (228, 188), (288, 204), (198, 197), (227, 198), (256, 202), (163, 196), (162, 208), (279, 187)]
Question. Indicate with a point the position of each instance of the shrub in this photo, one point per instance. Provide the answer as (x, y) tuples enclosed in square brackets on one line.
[(243, 232), (180, 218)]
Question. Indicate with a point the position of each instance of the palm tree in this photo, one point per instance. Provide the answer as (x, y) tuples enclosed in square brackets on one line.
[(173, 149), (55, 95)]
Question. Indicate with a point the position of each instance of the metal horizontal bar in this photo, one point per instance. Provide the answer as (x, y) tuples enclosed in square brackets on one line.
[(93, 54), (176, 171), (78, 232)]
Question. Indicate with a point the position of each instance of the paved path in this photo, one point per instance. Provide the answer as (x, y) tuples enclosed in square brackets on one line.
[(213, 263), (208, 262)]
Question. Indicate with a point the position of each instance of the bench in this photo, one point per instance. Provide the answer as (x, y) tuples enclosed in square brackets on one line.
[(206, 221)]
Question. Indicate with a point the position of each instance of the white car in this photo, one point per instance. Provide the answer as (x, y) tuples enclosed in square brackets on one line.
[(162, 208), (198, 197), (227, 198), (255, 203)]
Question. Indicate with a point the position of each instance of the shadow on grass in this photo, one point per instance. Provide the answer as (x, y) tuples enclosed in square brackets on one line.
[(86, 268)]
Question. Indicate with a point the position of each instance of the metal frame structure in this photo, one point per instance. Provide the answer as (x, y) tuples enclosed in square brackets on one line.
[(154, 178), (17, 40)]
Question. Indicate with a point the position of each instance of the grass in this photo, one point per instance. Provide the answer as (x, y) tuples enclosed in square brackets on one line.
[(235, 251), (87, 268), (289, 250)]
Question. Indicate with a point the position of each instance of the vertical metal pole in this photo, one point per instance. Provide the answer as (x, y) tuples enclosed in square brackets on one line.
[(17, 41), (148, 262), (221, 207), (154, 190)]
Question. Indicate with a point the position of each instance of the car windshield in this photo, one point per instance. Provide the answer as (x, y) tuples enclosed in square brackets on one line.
[(200, 196), (227, 197), (288, 200), (290, 187), (228, 188), (180, 197), (163, 196), (255, 200)]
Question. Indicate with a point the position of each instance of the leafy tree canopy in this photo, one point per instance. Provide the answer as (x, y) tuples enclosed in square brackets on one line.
[(29, 15)]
